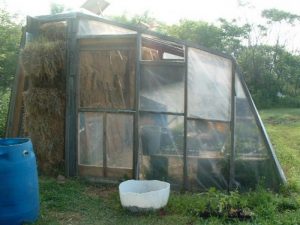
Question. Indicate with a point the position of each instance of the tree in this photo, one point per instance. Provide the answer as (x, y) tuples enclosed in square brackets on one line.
[(56, 8), (199, 32), (10, 33)]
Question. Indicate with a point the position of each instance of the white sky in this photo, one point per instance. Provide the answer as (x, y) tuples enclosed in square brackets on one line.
[(171, 11)]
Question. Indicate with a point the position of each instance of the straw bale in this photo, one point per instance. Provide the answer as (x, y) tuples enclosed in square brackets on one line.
[(47, 135), (107, 79), (44, 123), (44, 101), (44, 62), (54, 31)]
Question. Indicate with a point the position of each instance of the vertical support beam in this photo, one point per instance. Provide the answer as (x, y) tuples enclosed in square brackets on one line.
[(71, 121), (232, 130), (136, 143), (15, 112), (262, 128), (185, 170), (104, 145)]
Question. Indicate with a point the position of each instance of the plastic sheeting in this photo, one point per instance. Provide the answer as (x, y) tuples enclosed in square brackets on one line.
[(253, 164), (90, 137), (208, 144), (209, 85), (161, 138), (162, 88), (119, 140), (93, 27)]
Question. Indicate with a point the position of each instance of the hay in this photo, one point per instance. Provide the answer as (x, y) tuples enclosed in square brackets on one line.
[(54, 31), (44, 123), (47, 135), (41, 101), (107, 79), (44, 62)]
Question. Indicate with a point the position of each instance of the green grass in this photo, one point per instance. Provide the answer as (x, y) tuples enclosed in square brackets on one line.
[(78, 202)]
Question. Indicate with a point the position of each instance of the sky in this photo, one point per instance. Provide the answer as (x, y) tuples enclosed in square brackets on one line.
[(171, 11)]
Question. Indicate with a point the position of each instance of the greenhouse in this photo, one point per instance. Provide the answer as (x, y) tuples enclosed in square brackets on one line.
[(108, 101)]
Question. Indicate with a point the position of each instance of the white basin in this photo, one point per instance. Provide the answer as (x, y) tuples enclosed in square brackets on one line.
[(144, 195)]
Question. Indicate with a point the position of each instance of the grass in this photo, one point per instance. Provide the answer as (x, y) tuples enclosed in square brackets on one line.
[(77, 202)]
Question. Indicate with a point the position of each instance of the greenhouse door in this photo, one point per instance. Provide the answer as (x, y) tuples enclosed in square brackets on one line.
[(106, 106)]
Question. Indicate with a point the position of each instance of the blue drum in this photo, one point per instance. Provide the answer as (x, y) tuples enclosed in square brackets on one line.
[(19, 191)]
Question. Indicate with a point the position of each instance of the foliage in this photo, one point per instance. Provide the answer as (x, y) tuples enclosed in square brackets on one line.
[(199, 32), (56, 8), (275, 15), (10, 33), (4, 102)]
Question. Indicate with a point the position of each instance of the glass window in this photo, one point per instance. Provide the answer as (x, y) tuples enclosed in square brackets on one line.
[(119, 140), (206, 137), (161, 147), (93, 27), (253, 165), (155, 49), (90, 136), (208, 145), (209, 86), (162, 88)]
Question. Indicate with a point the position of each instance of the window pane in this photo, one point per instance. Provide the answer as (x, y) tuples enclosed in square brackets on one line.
[(208, 144), (209, 85), (162, 88), (156, 49), (90, 136), (92, 27), (162, 147), (253, 164), (119, 140), (107, 79)]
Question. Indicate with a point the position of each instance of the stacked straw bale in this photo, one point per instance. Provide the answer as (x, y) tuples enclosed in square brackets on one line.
[(44, 101), (107, 79)]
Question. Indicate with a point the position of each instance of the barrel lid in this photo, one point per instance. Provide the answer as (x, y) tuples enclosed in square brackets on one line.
[(13, 141)]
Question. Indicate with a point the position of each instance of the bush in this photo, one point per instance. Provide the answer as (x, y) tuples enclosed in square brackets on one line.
[(4, 104), (288, 101)]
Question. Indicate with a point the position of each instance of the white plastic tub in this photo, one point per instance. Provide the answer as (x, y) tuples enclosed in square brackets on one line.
[(144, 195)]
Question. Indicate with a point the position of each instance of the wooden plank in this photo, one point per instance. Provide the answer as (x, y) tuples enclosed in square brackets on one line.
[(93, 171)]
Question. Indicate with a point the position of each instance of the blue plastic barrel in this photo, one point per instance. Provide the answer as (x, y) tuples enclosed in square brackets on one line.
[(19, 195)]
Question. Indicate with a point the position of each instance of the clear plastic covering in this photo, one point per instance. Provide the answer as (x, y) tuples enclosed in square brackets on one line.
[(161, 138), (93, 27), (209, 86), (119, 140), (162, 88), (90, 137), (107, 79), (253, 164), (208, 144)]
